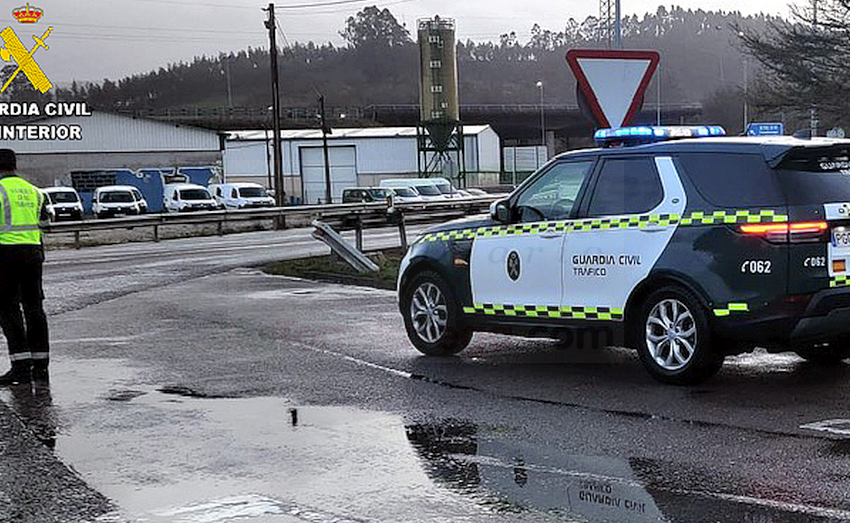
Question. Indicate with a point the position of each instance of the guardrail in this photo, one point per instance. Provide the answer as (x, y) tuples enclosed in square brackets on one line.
[(356, 216)]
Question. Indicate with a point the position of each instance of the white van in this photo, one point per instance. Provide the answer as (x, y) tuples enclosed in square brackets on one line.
[(63, 203), (423, 186), (185, 197), (241, 195), (112, 200)]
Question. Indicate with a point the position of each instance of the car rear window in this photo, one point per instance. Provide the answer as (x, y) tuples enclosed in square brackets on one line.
[(252, 192), (732, 179), (814, 176)]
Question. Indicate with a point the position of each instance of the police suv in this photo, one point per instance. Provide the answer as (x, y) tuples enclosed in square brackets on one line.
[(691, 245)]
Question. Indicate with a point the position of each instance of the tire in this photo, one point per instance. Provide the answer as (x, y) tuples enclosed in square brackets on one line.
[(428, 298), (674, 339), (833, 353)]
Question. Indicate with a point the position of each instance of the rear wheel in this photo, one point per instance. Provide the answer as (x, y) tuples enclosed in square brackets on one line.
[(832, 353), (432, 316), (674, 338)]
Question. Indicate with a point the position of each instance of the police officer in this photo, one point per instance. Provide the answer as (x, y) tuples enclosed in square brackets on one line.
[(21, 257)]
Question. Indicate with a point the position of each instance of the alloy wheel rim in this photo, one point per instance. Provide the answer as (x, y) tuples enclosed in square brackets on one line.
[(671, 334), (429, 312)]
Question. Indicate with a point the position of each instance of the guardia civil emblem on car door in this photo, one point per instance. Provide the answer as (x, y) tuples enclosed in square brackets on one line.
[(513, 265)]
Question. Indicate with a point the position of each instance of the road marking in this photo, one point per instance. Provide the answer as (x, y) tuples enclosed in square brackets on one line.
[(833, 426)]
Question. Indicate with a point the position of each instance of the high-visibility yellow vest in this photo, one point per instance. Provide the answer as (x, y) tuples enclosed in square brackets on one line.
[(20, 209)]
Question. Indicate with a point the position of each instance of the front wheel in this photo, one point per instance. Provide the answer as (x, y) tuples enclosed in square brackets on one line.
[(674, 339), (432, 316)]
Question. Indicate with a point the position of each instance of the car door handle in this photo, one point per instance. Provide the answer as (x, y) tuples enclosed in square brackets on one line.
[(551, 233), (652, 229)]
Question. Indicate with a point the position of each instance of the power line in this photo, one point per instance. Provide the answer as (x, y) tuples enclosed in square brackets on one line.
[(230, 6)]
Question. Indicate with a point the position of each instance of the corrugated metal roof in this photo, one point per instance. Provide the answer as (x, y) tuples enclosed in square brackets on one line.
[(351, 133), (105, 132)]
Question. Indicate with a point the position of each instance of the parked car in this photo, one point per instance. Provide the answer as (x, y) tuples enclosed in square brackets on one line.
[(689, 245), (63, 203), (366, 194), (187, 197), (424, 187), (405, 195), (241, 195), (114, 200)]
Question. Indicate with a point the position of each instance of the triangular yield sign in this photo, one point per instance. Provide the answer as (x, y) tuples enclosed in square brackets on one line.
[(613, 81)]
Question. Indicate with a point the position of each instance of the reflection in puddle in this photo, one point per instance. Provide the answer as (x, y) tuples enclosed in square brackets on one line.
[(33, 403), (460, 456), (484, 463)]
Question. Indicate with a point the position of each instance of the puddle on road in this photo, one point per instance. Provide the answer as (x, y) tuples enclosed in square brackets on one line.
[(167, 456)]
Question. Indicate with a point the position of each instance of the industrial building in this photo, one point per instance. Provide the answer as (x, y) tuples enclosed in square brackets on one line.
[(110, 141), (357, 157)]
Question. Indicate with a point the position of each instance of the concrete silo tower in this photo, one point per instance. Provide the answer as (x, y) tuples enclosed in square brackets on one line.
[(440, 131)]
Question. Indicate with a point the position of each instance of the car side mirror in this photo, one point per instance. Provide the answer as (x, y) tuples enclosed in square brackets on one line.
[(500, 212)]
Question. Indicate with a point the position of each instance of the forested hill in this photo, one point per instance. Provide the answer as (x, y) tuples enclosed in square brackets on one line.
[(378, 65)]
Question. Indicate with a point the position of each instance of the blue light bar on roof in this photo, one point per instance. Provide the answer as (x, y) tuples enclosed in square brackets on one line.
[(647, 134)]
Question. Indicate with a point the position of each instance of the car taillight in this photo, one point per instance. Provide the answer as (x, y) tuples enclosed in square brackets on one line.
[(785, 232)]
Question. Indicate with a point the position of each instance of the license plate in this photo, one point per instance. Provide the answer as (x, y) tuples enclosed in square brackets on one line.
[(841, 237)]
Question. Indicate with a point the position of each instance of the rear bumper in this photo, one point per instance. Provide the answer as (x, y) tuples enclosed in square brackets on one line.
[(824, 316), (827, 315)]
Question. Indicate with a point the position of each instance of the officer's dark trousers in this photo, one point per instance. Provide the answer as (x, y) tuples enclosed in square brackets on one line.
[(21, 312)]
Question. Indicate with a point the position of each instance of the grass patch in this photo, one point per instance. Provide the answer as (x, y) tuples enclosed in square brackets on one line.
[(333, 269)]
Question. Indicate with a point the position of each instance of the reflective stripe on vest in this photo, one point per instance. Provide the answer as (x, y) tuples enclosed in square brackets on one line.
[(19, 222)]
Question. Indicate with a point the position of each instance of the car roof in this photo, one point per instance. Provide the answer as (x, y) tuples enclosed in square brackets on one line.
[(116, 188), (59, 189), (772, 148), (186, 186)]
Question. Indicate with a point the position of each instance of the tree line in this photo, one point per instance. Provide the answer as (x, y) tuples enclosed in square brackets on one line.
[(705, 58)]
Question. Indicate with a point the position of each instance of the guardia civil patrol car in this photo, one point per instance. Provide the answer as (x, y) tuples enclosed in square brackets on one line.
[(691, 244)]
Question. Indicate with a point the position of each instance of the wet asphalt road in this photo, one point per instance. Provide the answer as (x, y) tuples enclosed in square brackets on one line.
[(184, 393)]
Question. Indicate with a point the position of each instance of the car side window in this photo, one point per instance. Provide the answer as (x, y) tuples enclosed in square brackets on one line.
[(626, 186), (553, 195), (233, 193)]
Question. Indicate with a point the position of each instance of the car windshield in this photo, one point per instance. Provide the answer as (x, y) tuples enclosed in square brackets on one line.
[(194, 194), (63, 197), (116, 197), (428, 190), (405, 192), (252, 192), (444, 188), (380, 193)]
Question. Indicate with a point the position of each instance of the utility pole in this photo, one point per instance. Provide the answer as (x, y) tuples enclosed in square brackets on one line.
[(325, 132), (813, 111), (278, 157), (618, 30)]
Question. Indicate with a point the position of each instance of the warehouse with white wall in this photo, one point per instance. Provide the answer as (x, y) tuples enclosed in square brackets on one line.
[(111, 141), (357, 157)]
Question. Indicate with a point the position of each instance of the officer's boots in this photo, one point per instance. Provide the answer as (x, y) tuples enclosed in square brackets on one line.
[(39, 370), (19, 373)]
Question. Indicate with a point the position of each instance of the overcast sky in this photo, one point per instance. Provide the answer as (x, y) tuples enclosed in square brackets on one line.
[(97, 39)]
